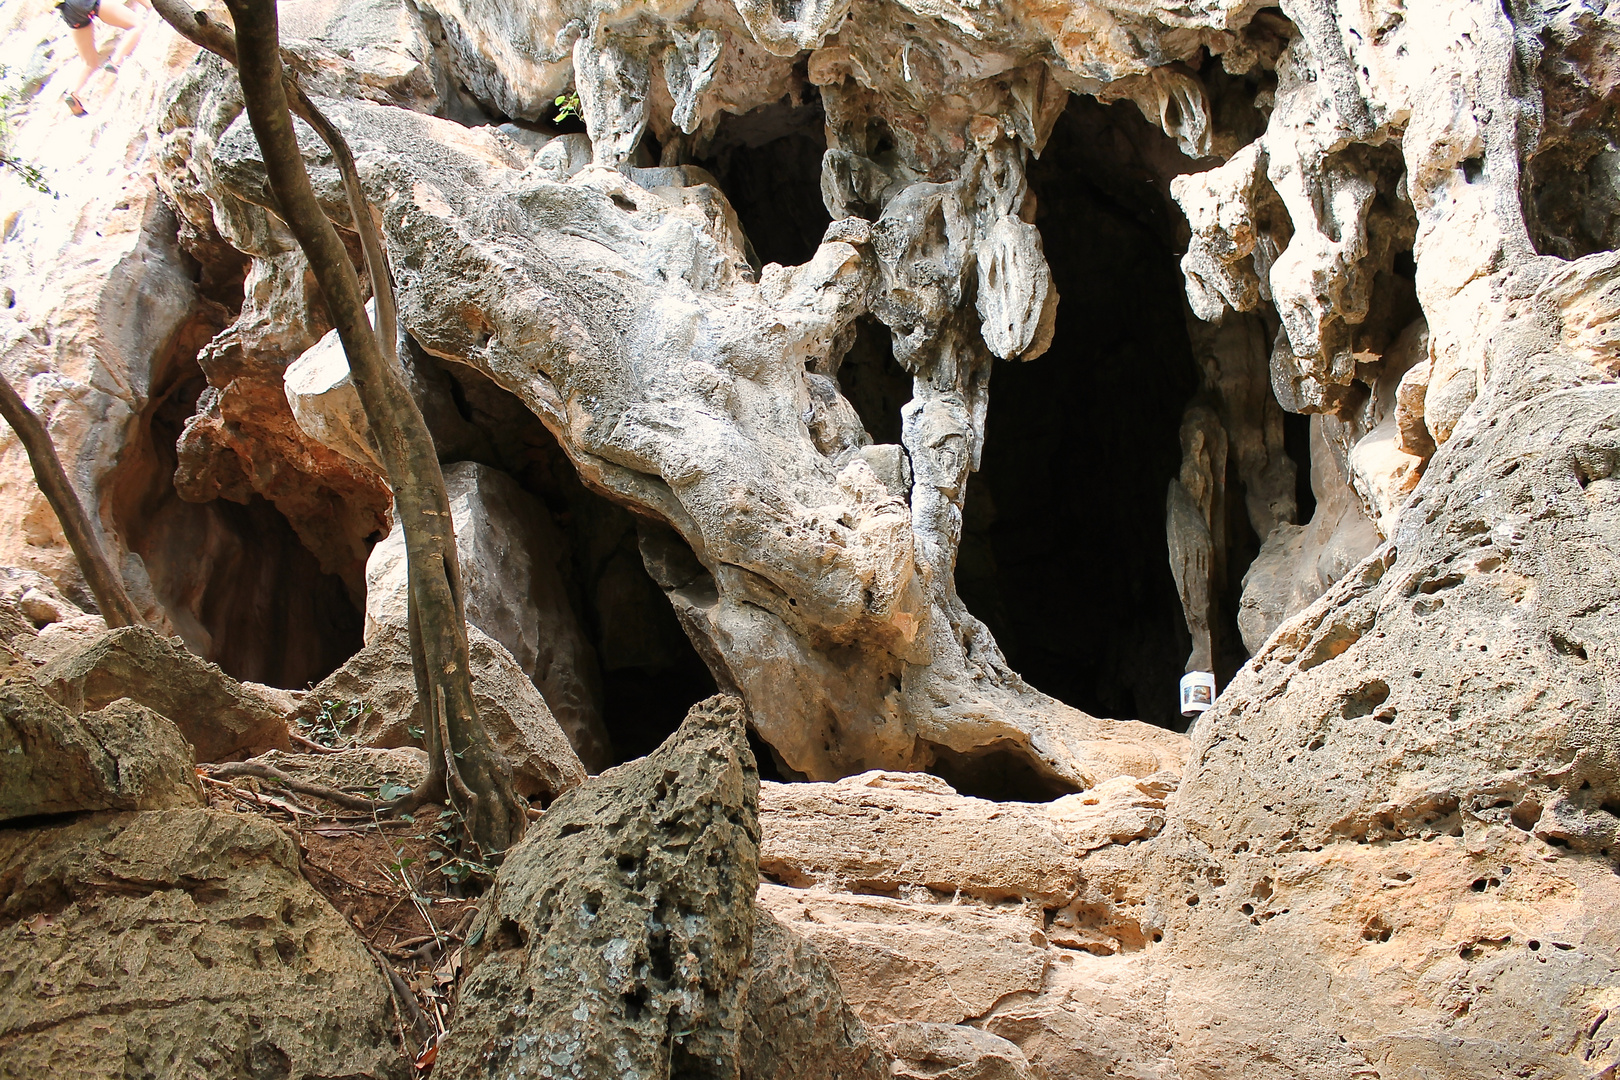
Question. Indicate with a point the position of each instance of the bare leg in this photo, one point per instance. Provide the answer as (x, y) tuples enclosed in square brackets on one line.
[(85, 39), (115, 13)]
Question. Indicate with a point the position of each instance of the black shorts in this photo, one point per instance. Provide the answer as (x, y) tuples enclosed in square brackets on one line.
[(78, 13)]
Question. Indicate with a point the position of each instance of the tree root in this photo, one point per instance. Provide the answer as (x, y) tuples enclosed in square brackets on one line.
[(314, 791)]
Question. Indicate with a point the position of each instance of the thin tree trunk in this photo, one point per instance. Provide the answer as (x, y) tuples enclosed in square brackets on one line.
[(105, 583), (465, 766)]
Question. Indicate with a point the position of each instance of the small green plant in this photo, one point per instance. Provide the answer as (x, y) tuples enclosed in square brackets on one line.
[(11, 99), (331, 720), (567, 105)]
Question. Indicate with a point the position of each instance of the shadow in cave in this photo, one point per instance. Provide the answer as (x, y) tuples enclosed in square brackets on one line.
[(234, 578), (768, 163), (650, 674), (1064, 554)]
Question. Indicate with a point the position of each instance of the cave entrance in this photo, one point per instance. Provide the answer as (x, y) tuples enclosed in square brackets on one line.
[(648, 672), (235, 580), (1064, 554)]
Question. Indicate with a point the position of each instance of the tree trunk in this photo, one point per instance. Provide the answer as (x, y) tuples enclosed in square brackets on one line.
[(105, 583), (466, 767)]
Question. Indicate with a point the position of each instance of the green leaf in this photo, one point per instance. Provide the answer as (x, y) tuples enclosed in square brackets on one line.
[(390, 792)]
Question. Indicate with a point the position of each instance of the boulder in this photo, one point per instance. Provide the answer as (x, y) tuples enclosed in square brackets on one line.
[(513, 559), (121, 757), (180, 942), (617, 936), (222, 718), (379, 683), (880, 832)]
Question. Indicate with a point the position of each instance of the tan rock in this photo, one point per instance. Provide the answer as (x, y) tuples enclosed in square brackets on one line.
[(121, 757), (899, 960), (174, 940), (379, 682), (953, 1052), (797, 1025), (884, 832), (222, 718)]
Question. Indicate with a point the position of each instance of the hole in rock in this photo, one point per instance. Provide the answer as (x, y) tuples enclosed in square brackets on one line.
[(768, 162), (647, 671), (1064, 553), (998, 774), (873, 380), (234, 578)]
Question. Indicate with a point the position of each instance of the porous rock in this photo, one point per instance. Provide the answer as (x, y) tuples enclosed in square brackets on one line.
[(180, 942), (379, 679), (222, 718), (121, 757), (617, 935)]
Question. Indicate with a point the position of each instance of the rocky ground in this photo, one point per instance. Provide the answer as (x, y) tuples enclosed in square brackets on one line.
[(709, 368)]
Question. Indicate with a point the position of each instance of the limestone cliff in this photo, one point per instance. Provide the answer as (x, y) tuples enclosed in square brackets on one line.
[(943, 379)]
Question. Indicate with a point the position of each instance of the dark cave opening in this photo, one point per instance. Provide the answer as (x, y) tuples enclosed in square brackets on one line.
[(650, 674), (768, 162), (1064, 553), (240, 587)]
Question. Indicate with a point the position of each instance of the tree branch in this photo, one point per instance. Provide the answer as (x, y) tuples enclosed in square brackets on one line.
[(106, 585)]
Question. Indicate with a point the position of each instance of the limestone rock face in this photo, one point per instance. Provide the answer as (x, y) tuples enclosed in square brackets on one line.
[(812, 580), (379, 680), (511, 555), (934, 1051), (180, 942), (222, 718), (122, 757), (617, 937)]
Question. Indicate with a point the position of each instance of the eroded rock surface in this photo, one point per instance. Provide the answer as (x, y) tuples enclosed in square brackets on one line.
[(616, 936), (121, 757), (222, 718), (180, 942)]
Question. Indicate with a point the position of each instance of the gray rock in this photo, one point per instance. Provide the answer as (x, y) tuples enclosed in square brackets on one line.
[(222, 718), (617, 935), (121, 757), (513, 558)]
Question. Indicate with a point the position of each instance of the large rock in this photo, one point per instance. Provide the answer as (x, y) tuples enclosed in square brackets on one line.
[(222, 718), (616, 938), (826, 599), (797, 1026), (882, 832), (121, 757), (513, 560), (180, 943), (379, 682)]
